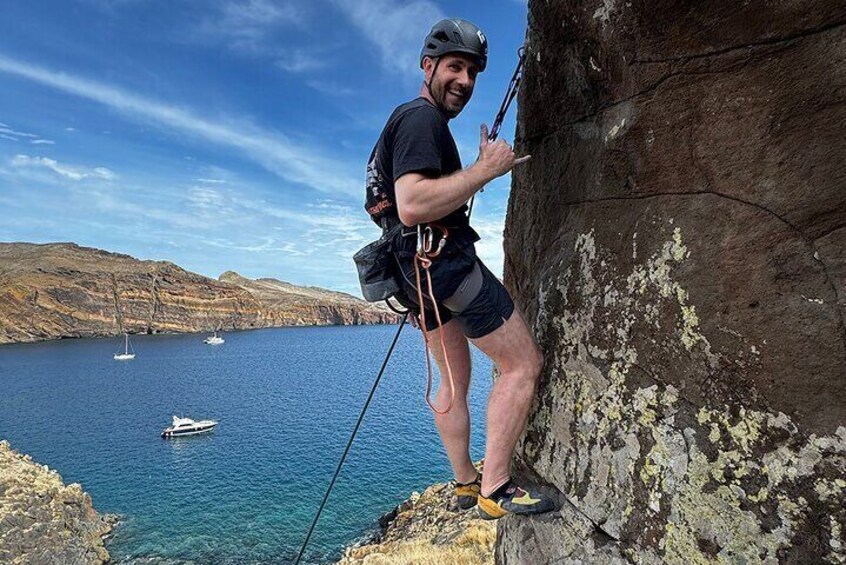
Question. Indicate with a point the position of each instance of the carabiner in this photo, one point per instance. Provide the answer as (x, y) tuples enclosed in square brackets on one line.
[(420, 247), (428, 237)]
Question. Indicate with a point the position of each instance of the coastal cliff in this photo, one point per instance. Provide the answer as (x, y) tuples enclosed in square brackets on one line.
[(60, 290), (42, 521), (678, 245)]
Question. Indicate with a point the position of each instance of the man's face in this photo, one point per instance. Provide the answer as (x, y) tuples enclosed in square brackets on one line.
[(453, 81)]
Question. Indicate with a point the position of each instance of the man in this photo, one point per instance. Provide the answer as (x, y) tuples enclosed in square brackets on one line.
[(414, 177)]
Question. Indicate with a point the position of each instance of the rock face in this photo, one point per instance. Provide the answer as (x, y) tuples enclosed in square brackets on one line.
[(678, 244), (428, 529), (42, 521), (285, 304), (63, 290)]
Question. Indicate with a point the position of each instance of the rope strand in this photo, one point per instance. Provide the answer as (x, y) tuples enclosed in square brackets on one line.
[(426, 262), (352, 437)]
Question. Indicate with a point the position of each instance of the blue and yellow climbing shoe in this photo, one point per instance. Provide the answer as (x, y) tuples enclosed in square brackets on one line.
[(468, 493), (513, 499)]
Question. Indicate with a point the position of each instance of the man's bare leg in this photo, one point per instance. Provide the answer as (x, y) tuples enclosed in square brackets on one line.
[(454, 426), (513, 349)]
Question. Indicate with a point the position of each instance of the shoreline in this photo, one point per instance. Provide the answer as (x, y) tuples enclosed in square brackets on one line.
[(42, 520), (177, 333)]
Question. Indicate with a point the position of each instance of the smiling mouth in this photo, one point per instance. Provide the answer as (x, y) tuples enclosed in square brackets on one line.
[(457, 95)]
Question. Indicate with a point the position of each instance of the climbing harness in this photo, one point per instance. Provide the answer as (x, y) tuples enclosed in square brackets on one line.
[(352, 437), (510, 94)]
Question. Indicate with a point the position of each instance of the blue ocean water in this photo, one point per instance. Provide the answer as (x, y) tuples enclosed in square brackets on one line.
[(286, 400)]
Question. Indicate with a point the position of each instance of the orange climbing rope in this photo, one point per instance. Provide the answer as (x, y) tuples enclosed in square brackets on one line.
[(423, 260)]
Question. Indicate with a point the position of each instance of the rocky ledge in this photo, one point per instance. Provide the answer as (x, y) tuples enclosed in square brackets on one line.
[(428, 529), (59, 290), (42, 521)]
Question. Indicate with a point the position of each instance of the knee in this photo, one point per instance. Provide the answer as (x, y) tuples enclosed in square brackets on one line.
[(527, 371), (534, 364)]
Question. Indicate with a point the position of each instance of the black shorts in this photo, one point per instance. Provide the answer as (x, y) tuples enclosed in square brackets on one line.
[(491, 307)]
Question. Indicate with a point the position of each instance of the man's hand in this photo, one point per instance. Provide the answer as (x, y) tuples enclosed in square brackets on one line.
[(497, 158)]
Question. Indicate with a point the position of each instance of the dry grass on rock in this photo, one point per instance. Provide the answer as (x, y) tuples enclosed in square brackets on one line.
[(430, 530)]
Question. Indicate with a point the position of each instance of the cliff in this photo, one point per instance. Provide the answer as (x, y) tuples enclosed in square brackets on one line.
[(678, 244), (63, 290), (285, 304), (428, 529), (42, 521)]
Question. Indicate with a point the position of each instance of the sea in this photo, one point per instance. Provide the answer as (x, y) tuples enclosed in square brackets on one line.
[(286, 400)]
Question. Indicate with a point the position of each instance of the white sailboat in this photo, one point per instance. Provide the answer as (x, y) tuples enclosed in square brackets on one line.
[(214, 339), (128, 353)]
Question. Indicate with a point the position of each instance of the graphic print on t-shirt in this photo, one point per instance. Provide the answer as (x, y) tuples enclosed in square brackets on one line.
[(378, 200)]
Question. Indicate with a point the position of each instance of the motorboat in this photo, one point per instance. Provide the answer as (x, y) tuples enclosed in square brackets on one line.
[(188, 427), (214, 339)]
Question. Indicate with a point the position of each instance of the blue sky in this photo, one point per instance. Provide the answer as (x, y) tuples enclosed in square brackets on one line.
[(223, 135)]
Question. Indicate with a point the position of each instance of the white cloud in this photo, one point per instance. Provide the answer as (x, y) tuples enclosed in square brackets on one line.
[(10, 133), (489, 248), (245, 25), (104, 173), (331, 88), (42, 142), (206, 198), (297, 61), (9, 137), (74, 172), (262, 29), (272, 150), (396, 29), (211, 181)]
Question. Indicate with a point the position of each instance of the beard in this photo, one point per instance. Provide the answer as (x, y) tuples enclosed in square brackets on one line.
[(449, 98)]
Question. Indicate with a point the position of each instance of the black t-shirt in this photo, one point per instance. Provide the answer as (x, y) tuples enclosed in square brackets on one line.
[(416, 139)]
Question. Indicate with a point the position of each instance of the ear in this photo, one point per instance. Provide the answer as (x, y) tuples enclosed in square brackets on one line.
[(428, 67)]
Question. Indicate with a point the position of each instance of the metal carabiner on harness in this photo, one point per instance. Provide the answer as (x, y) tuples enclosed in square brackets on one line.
[(420, 247), (426, 239)]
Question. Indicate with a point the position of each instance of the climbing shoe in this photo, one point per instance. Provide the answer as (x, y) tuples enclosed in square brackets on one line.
[(468, 493), (513, 499)]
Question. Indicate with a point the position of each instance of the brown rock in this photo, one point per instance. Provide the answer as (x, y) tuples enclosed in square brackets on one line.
[(62, 290), (44, 521), (677, 243), (428, 529)]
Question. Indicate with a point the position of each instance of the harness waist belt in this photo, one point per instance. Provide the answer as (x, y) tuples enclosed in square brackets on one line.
[(467, 291)]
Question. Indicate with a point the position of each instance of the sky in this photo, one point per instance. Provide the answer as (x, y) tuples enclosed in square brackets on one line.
[(224, 134)]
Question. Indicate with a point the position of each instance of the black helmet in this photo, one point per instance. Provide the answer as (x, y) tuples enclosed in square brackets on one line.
[(456, 36)]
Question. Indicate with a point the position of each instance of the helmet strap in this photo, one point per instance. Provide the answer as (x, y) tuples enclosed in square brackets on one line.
[(429, 84)]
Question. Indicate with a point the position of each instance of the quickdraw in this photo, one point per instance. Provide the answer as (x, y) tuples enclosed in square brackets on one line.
[(510, 94)]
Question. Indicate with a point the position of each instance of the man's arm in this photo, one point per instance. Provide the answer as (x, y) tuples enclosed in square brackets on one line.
[(421, 199)]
